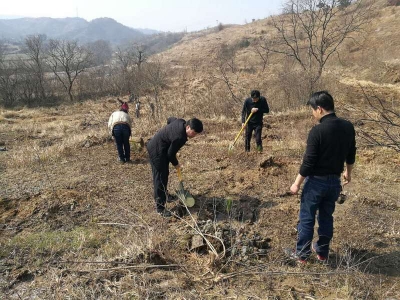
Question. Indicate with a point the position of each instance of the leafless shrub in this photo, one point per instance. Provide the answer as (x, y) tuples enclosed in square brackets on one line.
[(311, 32), (378, 122), (9, 82), (227, 69)]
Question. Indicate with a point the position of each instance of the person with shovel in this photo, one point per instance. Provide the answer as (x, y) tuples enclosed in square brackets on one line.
[(330, 144), (162, 149), (254, 108), (119, 125)]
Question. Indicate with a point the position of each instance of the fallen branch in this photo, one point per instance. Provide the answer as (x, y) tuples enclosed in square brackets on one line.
[(122, 224), (273, 273), (144, 267)]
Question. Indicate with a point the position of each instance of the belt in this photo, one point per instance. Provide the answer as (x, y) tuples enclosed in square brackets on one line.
[(325, 177)]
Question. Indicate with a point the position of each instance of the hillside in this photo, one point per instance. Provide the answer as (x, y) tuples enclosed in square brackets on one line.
[(69, 28), (372, 58), (76, 224)]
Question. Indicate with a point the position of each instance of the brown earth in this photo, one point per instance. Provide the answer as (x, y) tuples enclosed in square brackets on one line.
[(76, 224), (63, 213)]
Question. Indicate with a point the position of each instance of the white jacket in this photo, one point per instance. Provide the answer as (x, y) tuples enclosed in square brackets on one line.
[(119, 117)]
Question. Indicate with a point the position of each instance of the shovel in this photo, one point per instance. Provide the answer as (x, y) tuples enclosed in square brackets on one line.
[(237, 136), (183, 194)]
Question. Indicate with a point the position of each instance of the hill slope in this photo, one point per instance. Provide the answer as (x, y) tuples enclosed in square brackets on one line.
[(69, 28), (75, 223)]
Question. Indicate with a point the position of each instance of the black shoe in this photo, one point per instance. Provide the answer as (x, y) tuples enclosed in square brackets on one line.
[(128, 161), (121, 161), (165, 213), (171, 198), (291, 254)]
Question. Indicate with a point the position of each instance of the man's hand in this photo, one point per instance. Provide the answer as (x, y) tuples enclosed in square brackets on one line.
[(347, 174), (254, 110), (346, 177), (294, 189)]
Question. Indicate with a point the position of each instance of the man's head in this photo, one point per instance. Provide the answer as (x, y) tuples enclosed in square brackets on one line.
[(321, 104), (193, 127), (255, 95)]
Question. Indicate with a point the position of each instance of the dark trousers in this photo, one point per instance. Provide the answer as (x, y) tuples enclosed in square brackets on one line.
[(121, 134), (257, 128), (160, 172), (318, 195)]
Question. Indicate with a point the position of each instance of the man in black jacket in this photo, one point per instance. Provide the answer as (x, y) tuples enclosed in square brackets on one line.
[(162, 149), (330, 144), (258, 106)]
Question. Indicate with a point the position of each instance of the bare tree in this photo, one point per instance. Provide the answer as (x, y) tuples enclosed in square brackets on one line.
[(126, 61), (262, 53), (140, 54), (226, 67), (9, 81), (102, 52), (67, 60), (35, 64), (311, 31), (378, 122), (125, 58), (156, 78)]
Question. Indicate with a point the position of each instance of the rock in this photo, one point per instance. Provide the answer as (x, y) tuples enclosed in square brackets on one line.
[(197, 243)]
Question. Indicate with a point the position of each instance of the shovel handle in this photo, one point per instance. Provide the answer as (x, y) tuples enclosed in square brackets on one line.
[(247, 121), (179, 172)]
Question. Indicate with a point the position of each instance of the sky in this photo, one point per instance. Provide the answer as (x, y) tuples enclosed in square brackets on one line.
[(162, 15)]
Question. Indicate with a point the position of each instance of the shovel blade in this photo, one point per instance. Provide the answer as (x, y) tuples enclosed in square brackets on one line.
[(185, 196), (188, 199)]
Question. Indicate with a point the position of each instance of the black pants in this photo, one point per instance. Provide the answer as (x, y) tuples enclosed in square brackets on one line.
[(257, 133), (160, 171), (121, 134)]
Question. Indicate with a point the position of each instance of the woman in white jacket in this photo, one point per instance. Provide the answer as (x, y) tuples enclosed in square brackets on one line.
[(119, 125)]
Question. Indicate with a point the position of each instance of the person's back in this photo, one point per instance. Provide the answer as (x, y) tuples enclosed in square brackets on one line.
[(162, 149), (173, 132), (119, 125), (330, 144)]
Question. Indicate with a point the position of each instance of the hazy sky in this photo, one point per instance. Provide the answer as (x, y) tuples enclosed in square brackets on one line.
[(164, 15)]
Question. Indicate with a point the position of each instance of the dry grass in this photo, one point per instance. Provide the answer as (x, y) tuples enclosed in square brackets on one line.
[(75, 224), (100, 237)]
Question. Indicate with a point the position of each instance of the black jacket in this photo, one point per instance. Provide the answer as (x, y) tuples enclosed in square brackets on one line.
[(256, 118), (167, 141), (329, 145)]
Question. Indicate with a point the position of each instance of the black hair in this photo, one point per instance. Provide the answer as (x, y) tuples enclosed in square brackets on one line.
[(255, 94), (322, 99), (195, 124)]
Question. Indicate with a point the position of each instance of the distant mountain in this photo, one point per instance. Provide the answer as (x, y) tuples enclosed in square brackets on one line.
[(69, 28), (148, 31)]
